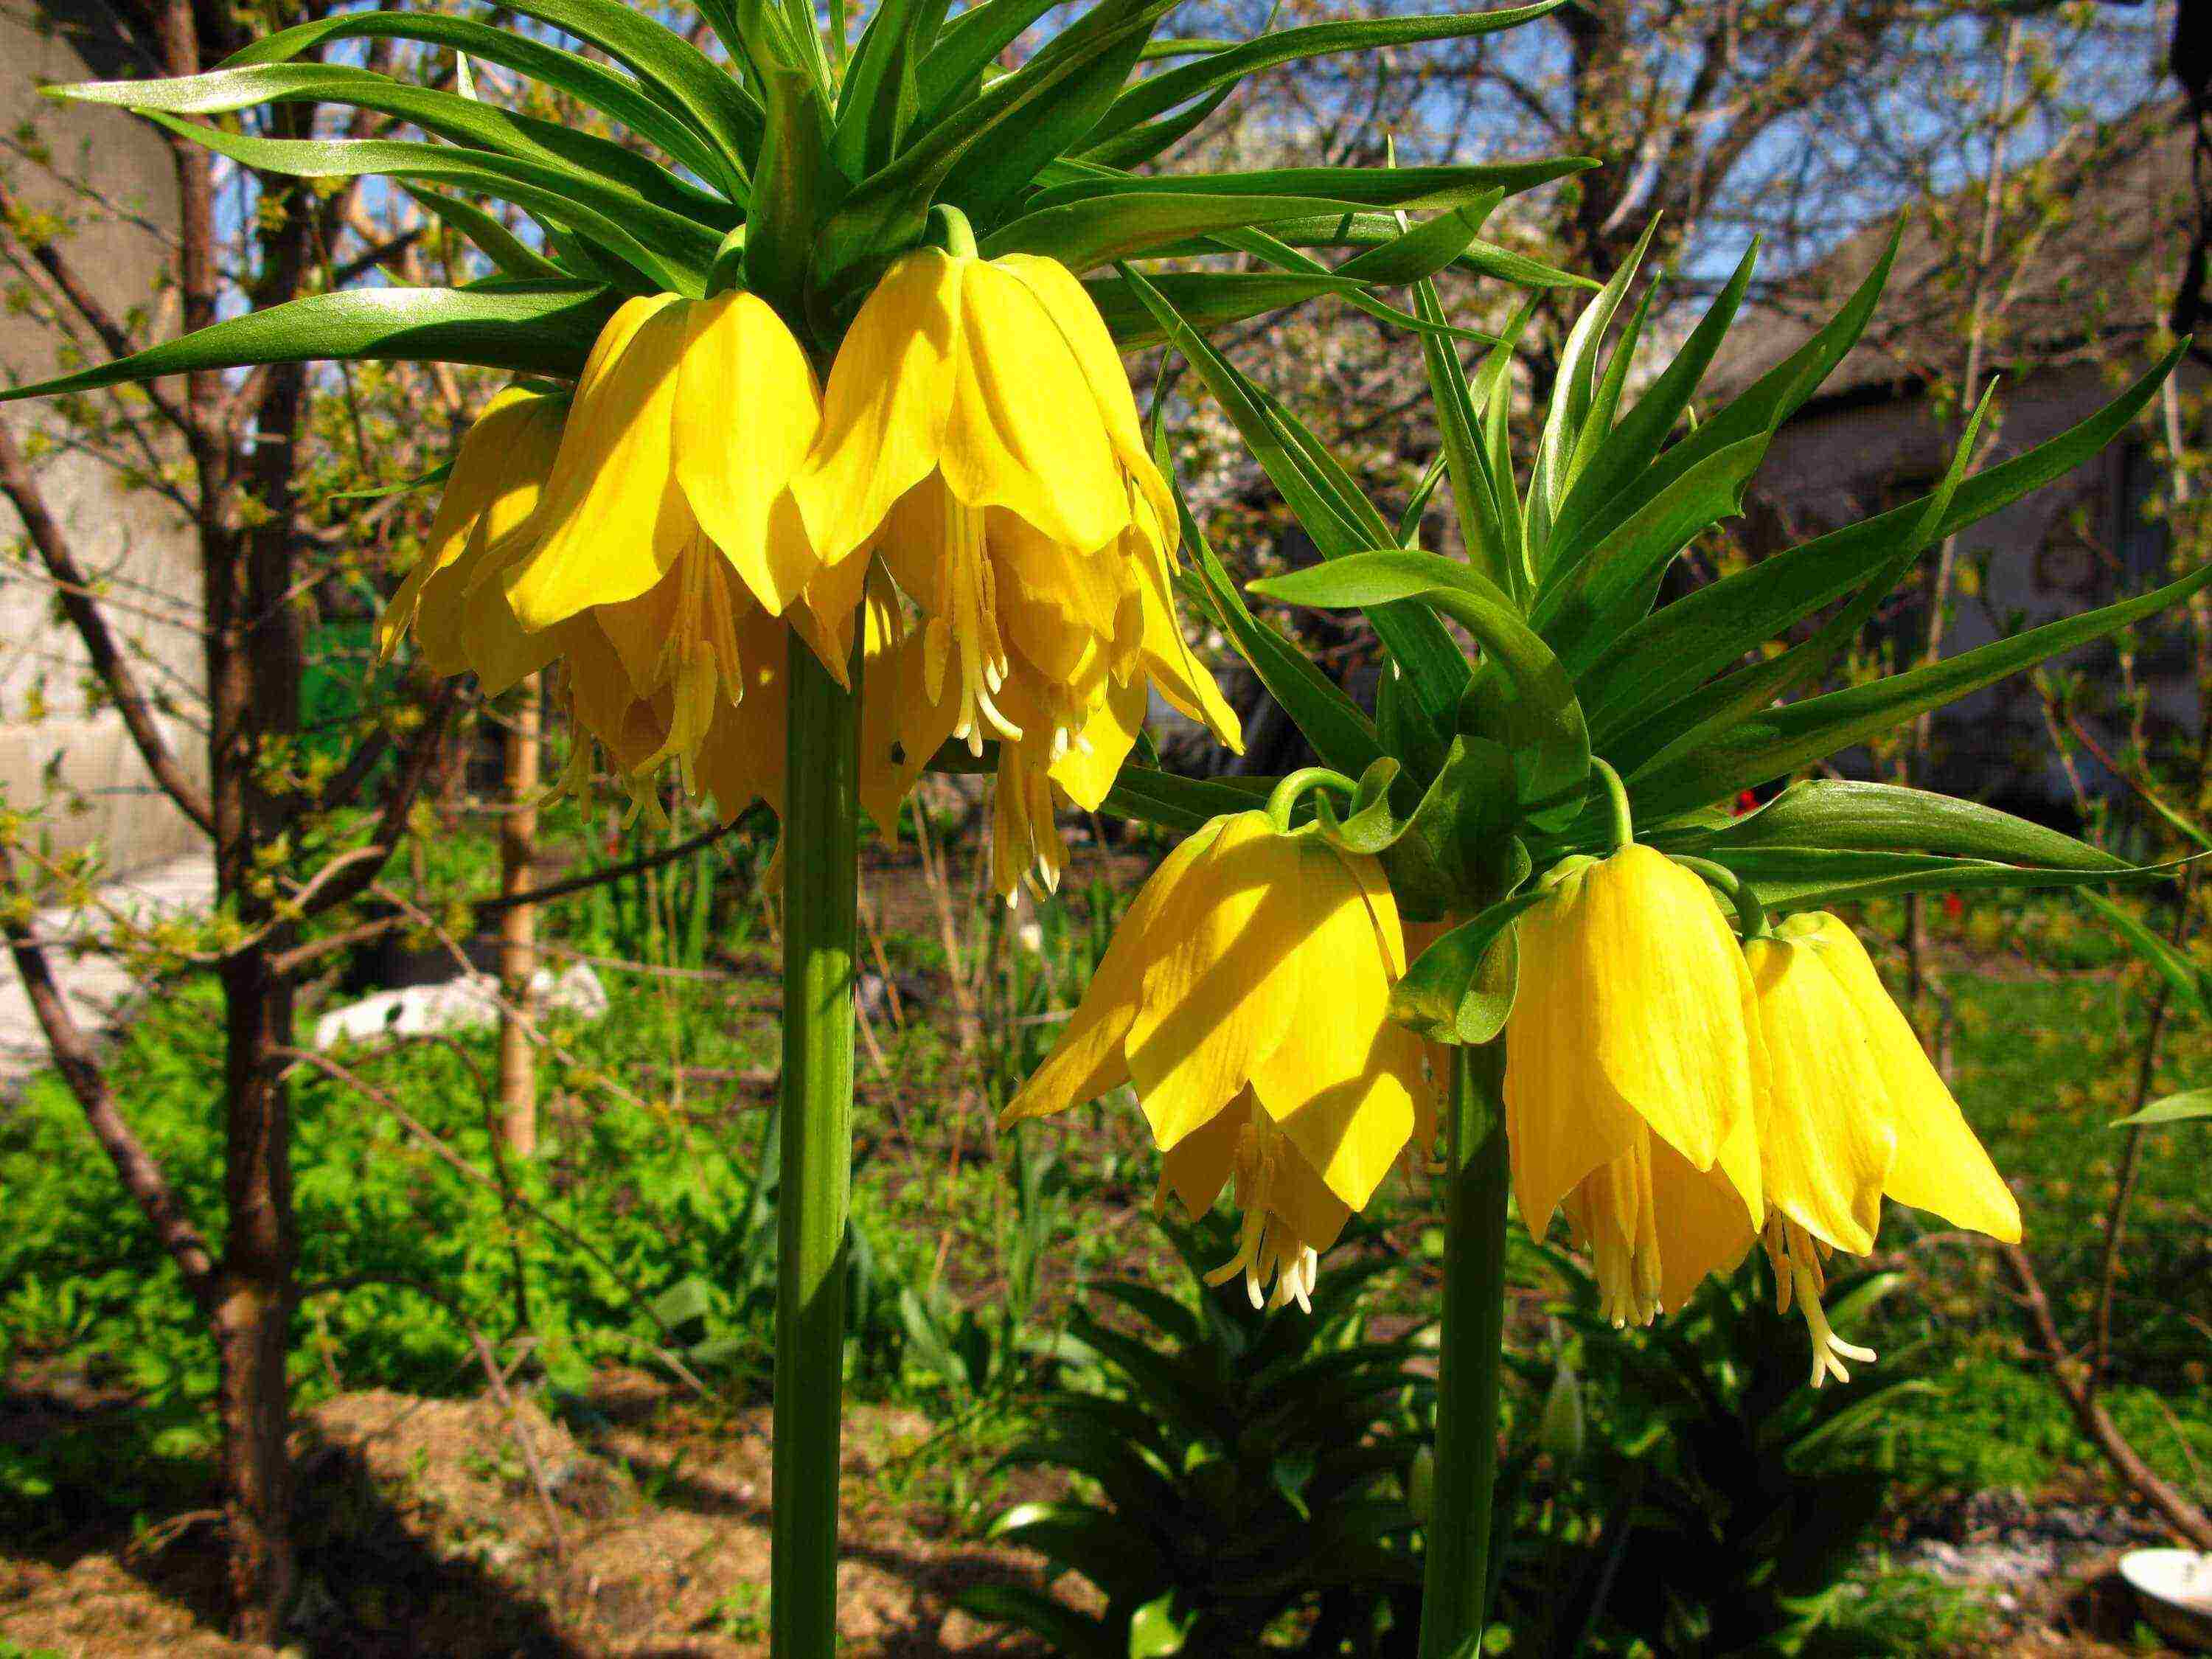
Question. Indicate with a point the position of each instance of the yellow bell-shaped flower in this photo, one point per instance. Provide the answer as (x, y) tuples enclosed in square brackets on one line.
[(1245, 996), (1633, 1062), (690, 418), (1854, 1111), (461, 623), (980, 436)]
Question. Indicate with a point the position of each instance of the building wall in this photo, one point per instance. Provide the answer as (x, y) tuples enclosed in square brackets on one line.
[(1840, 464), (59, 752)]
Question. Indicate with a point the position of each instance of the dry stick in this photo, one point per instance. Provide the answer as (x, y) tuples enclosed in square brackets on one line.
[(1939, 595), (142, 1177), (2074, 1384), (506, 1400), (517, 1128)]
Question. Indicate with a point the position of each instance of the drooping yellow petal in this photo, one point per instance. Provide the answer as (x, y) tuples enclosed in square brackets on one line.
[(1087, 771), (1017, 436), (1197, 1167), (747, 412), (1824, 1149), (1221, 987), (1168, 658), (885, 409), (1342, 1080), (1699, 1218), (1087, 1060), (1940, 1165), (614, 521)]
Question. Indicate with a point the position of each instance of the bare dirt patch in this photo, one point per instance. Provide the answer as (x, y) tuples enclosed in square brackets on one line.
[(642, 1530)]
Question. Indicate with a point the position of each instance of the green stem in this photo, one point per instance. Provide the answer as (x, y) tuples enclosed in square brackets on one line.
[(1750, 913), (821, 885), (1622, 825), (1283, 799), (1456, 1582)]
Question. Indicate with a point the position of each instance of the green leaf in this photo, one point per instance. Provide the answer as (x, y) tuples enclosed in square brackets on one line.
[(1778, 742), (674, 251), (1341, 734), (1158, 93), (1178, 803), (1542, 723), (1417, 189), (1633, 445), (1461, 988), (885, 213), (1327, 504), (1154, 1632), (1064, 1630), (1573, 388), (1837, 814), (881, 96), (1112, 1553), (1815, 877), (1684, 726), (599, 87), (969, 45), (488, 236), (2186, 1106), (1206, 299), (1769, 401), (2184, 976), (1609, 588), (464, 121), (1672, 651), (538, 328), (1084, 234), (1140, 144), (1483, 498)]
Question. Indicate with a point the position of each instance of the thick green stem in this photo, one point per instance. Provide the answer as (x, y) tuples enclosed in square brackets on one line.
[(1456, 1585), (821, 884)]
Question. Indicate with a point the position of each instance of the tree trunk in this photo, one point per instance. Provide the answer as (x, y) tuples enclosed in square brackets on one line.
[(253, 1309), (518, 929)]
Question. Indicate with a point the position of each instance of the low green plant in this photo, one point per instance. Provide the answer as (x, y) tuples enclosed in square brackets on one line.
[(1717, 1503), (1239, 1478)]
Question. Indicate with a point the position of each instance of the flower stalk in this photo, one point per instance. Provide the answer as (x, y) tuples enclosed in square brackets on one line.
[(1457, 1573), (821, 882)]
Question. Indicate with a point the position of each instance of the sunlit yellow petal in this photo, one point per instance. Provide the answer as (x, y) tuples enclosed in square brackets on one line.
[(747, 411), (1824, 1151), (1214, 1000), (613, 521), (885, 408), (1940, 1164), (1087, 772), (1015, 435)]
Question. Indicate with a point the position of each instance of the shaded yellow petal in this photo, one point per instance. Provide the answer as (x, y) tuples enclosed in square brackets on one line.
[(1221, 988), (613, 521), (1940, 1164), (741, 759), (885, 411), (1024, 431), (1087, 771), (747, 411), (1824, 1151), (1699, 1220), (1197, 1167), (1306, 1204), (1175, 667), (901, 727), (1087, 1058)]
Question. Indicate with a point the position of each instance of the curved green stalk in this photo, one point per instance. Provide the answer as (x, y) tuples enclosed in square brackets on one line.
[(821, 880), (1455, 1578)]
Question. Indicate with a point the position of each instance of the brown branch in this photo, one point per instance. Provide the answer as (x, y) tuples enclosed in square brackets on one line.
[(102, 321), (142, 1177), (72, 591), (2078, 1389), (348, 876)]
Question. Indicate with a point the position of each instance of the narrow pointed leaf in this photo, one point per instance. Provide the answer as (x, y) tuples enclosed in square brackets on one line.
[(488, 236), (1772, 745), (1841, 815), (1082, 236), (607, 90), (544, 328), (2189, 1106), (1573, 387), (1416, 188), (2187, 978)]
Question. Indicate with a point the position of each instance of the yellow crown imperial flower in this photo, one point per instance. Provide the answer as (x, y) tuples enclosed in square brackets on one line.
[(979, 434), (1633, 1062), (1245, 997), (1854, 1111)]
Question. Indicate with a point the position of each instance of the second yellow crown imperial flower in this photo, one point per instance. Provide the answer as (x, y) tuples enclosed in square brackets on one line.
[(979, 434), (1245, 997), (1854, 1111), (1633, 1062)]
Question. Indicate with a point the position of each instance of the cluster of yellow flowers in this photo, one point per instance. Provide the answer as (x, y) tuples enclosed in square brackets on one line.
[(1679, 1094), (973, 488)]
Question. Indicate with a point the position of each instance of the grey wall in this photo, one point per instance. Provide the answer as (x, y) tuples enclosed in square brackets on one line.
[(57, 749)]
